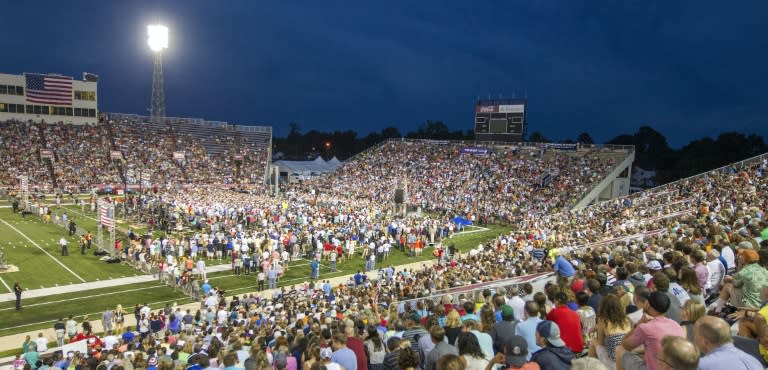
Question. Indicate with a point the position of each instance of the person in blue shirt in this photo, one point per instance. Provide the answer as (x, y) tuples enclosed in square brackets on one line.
[(563, 267), (713, 338), (527, 328), (272, 276), (315, 267), (206, 288)]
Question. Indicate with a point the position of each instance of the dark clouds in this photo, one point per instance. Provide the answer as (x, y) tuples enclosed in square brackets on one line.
[(687, 68)]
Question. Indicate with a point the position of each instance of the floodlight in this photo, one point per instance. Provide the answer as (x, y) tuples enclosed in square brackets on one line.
[(158, 37)]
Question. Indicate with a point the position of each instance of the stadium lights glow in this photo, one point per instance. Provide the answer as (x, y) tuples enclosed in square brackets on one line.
[(158, 37)]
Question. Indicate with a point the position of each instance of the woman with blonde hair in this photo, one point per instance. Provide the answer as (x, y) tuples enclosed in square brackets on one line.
[(452, 326), (691, 311), (119, 318)]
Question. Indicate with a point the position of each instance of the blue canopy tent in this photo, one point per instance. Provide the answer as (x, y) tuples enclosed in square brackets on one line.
[(461, 222)]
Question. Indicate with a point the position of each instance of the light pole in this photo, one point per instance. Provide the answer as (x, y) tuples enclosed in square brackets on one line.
[(157, 41)]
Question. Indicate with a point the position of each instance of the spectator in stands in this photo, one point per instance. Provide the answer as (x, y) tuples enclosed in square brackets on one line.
[(414, 331), (678, 354), (750, 279), (612, 325), (568, 322), (441, 348), (527, 328), (408, 359), (393, 352), (661, 284), (713, 338), (357, 346), (341, 354), (504, 329), (563, 267), (690, 313), (484, 339), (648, 332), (553, 353), (514, 356)]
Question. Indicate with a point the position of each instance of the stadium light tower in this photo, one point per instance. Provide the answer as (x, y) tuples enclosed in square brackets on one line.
[(157, 41)]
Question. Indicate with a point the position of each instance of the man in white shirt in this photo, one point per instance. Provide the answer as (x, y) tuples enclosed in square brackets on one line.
[(221, 316), (144, 310), (201, 269), (71, 327), (109, 340), (42, 343), (517, 303), (716, 272), (730, 258), (63, 244)]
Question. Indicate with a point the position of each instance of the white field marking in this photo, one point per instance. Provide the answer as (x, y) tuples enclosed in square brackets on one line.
[(6, 285), (43, 250), (83, 214), (79, 298), (479, 229)]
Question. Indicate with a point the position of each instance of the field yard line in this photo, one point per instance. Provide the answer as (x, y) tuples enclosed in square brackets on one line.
[(79, 298), (479, 230), (6, 285), (44, 251), (82, 214)]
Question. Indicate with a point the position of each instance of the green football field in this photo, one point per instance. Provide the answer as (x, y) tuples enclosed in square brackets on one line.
[(32, 246)]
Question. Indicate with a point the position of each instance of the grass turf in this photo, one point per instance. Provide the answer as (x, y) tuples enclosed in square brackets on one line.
[(39, 257)]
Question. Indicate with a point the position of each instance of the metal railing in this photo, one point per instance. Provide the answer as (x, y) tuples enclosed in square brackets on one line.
[(736, 165), (474, 291)]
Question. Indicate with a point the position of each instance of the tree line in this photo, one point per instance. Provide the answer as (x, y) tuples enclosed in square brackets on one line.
[(652, 152)]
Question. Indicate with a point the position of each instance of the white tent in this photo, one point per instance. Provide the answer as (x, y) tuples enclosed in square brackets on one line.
[(306, 169)]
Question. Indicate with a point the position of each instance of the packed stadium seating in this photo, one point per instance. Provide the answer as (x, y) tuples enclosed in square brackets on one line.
[(503, 185), (82, 154)]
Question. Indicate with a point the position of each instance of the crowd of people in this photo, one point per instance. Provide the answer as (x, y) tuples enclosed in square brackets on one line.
[(675, 294), (503, 185), (82, 155), (653, 280)]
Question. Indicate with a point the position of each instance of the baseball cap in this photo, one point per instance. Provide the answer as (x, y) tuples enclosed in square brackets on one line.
[(653, 265), (152, 361), (326, 353), (507, 311), (415, 317), (551, 332), (658, 300), (577, 285), (744, 245), (516, 351)]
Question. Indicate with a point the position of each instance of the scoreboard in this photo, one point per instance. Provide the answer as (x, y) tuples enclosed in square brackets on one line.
[(500, 120)]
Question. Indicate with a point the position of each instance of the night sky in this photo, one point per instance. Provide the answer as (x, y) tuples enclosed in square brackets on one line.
[(686, 68)]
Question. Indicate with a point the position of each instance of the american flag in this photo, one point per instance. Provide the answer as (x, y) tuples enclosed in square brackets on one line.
[(104, 218), (49, 89)]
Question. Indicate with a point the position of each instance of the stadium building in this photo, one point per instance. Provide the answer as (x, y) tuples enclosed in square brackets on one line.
[(49, 97)]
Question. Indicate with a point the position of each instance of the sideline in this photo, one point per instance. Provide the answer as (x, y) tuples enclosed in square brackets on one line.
[(6, 285), (43, 250), (79, 298)]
